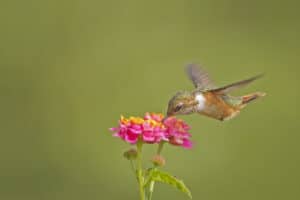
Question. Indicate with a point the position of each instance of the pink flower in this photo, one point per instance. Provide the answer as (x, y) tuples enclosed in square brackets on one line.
[(148, 129), (152, 129), (177, 132)]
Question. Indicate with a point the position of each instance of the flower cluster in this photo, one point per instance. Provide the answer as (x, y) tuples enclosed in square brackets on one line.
[(153, 129)]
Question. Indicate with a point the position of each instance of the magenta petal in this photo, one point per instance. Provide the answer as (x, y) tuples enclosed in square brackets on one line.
[(135, 126), (134, 131), (187, 144), (148, 137), (164, 138), (147, 116), (131, 138), (113, 129), (116, 135), (156, 118), (176, 141)]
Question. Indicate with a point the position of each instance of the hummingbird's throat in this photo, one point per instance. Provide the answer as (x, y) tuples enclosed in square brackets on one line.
[(201, 101)]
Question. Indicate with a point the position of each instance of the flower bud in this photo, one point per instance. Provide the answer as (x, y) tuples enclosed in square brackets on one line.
[(130, 154), (158, 160)]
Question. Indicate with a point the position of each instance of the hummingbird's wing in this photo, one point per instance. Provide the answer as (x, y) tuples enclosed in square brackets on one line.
[(236, 85), (199, 77)]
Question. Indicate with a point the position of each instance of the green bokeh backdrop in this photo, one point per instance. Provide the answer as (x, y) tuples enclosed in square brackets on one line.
[(70, 68)]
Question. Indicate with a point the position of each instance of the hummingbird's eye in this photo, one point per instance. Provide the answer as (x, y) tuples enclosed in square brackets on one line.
[(178, 107)]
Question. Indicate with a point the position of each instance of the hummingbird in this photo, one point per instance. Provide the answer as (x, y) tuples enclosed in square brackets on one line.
[(207, 99)]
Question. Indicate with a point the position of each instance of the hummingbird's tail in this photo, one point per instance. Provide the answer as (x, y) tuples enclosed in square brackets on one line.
[(250, 97)]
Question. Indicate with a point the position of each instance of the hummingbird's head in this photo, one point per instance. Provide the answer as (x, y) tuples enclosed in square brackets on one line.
[(181, 103)]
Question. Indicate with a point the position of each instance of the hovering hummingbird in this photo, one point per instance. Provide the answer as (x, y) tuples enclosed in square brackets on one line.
[(209, 100)]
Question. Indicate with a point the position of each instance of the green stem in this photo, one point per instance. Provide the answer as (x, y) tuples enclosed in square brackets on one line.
[(152, 183), (140, 170), (160, 147), (151, 189)]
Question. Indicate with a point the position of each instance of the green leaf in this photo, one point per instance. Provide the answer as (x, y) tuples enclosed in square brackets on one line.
[(163, 177)]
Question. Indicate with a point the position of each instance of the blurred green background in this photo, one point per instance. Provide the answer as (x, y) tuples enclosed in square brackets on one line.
[(70, 68)]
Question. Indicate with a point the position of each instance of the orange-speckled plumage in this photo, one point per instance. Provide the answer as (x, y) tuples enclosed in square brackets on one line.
[(217, 108)]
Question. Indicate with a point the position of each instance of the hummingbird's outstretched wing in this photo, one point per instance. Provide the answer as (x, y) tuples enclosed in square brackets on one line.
[(199, 77), (236, 85)]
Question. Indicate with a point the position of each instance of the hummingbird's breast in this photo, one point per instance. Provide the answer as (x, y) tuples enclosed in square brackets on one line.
[(212, 105)]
